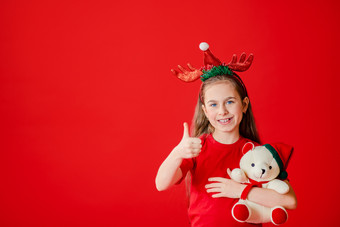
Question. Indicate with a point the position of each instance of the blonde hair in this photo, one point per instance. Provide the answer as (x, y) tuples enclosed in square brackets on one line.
[(200, 121)]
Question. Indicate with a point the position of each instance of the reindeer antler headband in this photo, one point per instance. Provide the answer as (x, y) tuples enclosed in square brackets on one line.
[(213, 67)]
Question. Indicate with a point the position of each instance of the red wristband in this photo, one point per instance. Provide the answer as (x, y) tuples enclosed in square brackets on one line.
[(245, 192)]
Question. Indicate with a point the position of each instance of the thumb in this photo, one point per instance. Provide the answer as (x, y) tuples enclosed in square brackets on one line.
[(229, 172), (186, 130)]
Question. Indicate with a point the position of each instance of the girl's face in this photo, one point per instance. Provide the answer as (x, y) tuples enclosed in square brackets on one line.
[(224, 108)]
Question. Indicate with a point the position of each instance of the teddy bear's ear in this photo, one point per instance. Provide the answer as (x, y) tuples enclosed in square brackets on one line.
[(247, 147)]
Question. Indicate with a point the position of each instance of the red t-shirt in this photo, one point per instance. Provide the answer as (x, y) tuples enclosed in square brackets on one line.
[(213, 161)]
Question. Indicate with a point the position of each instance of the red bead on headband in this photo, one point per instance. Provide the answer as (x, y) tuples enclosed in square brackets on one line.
[(213, 67)]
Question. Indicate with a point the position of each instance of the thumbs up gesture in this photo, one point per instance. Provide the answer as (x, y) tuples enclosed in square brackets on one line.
[(189, 147)]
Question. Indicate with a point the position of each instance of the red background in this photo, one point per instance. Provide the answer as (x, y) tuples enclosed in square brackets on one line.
[(89, 108)]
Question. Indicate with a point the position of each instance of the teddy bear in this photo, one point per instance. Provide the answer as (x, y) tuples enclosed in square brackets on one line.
[(261, 166)]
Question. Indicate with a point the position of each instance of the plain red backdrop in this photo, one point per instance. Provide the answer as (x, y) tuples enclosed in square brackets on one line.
[(89, 108)]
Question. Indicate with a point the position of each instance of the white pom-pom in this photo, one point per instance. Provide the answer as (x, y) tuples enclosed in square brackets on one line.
[(204, 46)]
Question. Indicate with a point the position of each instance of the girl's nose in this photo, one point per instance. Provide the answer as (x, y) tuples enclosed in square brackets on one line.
[(223, 110)]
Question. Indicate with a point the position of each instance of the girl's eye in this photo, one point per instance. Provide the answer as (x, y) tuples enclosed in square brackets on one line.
[(213, 105), (230, 102)]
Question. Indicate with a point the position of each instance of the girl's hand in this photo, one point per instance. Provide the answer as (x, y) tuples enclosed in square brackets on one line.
[(224, 187), (189, 147)]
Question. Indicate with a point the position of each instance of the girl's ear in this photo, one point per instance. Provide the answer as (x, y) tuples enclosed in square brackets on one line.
[(245, 105), (204, 110)]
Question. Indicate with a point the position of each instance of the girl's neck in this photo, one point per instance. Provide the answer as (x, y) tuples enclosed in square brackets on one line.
[(226, 138)]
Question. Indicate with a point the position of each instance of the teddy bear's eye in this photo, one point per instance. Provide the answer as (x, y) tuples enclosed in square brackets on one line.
[(270, 167), (252, 164)]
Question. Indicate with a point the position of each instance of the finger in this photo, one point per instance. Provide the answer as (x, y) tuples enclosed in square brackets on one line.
[(196, 151), (196, 140), (218, 179), (213, 185), (182, 69), (186, 130), (193, 154), (189, 156), (195, 146), (243, 57), (214, 190), (218, 195), (229, 172)]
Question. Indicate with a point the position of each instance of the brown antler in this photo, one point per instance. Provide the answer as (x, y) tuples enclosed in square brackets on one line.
[(243, 64), (187, 76)]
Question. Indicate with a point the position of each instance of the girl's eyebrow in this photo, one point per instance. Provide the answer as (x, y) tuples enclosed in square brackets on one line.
[(213, 101), (230, 97)]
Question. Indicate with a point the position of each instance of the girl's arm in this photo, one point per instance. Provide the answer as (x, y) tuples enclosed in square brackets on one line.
[(224, 187), (170, 172), (271, 198)]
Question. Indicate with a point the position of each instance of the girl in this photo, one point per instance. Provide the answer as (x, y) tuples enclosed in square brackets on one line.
[(223, 123)]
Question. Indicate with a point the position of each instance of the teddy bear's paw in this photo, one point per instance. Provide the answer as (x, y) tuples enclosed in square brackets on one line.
[(238, 175), (279, 186), (279, 215), (240, 212)]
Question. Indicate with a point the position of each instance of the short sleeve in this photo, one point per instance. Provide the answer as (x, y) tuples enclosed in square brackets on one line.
[(187, 165)]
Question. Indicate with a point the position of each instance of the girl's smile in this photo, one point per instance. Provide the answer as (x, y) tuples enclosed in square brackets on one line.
[(225, 121)]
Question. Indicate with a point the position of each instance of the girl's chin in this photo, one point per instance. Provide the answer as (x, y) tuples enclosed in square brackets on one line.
[(219, 130), (224, 126)]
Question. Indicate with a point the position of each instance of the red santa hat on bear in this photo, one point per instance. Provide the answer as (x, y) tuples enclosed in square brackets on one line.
[(281, 153)]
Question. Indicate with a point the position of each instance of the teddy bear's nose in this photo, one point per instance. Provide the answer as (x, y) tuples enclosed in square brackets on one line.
[(263, 171)]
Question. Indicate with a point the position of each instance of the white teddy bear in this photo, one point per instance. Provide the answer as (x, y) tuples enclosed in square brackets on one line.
[(259, 167)]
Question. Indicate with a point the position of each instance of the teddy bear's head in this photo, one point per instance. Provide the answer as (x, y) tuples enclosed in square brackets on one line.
[(265, 163)]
